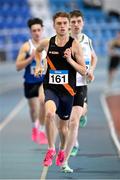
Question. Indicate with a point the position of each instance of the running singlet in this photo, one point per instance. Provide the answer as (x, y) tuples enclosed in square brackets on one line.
[(87, 48), (29, 70), (60, 76)]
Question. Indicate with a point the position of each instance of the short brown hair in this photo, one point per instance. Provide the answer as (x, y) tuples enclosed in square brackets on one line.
[(61, 14), (76, 13), (34, 21)]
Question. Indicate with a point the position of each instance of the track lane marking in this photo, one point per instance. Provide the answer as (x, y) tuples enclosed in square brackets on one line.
[(44, 173), (110, 123), (12, 114)]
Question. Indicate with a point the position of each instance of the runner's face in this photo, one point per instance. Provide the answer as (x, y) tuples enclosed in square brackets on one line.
[(36, 31), (76, 24), (61, 26)]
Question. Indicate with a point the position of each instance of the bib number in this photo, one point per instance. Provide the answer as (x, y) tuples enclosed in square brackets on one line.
[(32, 70), (87, 62), (58, 77), (81, 80)]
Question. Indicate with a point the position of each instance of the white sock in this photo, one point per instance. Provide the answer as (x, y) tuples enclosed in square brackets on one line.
[(51, 148), (65, 163), (42, 128), (76, 143)]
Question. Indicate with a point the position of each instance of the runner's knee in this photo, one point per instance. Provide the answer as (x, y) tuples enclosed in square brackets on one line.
[(74, 123), (63, 129), (49, 116)]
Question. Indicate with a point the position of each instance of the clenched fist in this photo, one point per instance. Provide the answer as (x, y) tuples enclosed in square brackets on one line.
[(67, 54), (38, 71)]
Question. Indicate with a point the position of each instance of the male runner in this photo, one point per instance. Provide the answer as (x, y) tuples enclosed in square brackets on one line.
[(64, 58), (80, 99), (33, 88)]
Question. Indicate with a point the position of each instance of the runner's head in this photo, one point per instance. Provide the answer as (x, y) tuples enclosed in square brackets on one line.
[(61, 23), (36, 28), (76, 21)]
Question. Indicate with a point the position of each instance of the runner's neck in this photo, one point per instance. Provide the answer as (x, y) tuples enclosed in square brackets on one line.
[(61, 40), (36, 42)]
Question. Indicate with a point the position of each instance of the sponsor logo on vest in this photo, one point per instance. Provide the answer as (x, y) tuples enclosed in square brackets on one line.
[(53, 52)]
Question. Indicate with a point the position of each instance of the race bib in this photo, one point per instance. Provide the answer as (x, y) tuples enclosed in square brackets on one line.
[(32, 70), (81, 80), (58, 76), (87, 62)]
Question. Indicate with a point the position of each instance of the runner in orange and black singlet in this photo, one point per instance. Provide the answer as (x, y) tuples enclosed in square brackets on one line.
[(59, 73), (59, 83)]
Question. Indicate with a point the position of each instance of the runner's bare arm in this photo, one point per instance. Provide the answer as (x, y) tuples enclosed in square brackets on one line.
[(45, 64), (93, 60), (76, 51), (93, 66), (42, 46), (90, 75), (22, 61)]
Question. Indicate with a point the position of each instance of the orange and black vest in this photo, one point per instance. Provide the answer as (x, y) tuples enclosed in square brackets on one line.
[(57, 63)]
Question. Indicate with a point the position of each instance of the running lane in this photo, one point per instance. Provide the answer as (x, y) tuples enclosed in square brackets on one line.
[(20, 158)]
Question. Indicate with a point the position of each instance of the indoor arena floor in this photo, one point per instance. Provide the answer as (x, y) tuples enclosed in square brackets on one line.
[(20, 158)]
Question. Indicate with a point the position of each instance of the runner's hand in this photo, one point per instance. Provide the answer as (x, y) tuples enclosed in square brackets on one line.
[(67, 54), (90, 76), (38, 71)]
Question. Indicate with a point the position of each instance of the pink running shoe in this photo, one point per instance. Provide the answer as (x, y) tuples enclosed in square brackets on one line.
[(34, 134), (42, 138), (49, 157), (60, 158)]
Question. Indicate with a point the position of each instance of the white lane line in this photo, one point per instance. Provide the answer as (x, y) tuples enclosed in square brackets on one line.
[(44, 173), (110, 123), (12, 114)]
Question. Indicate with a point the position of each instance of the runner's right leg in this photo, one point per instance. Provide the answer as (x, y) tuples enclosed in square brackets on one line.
[(50, 109)]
